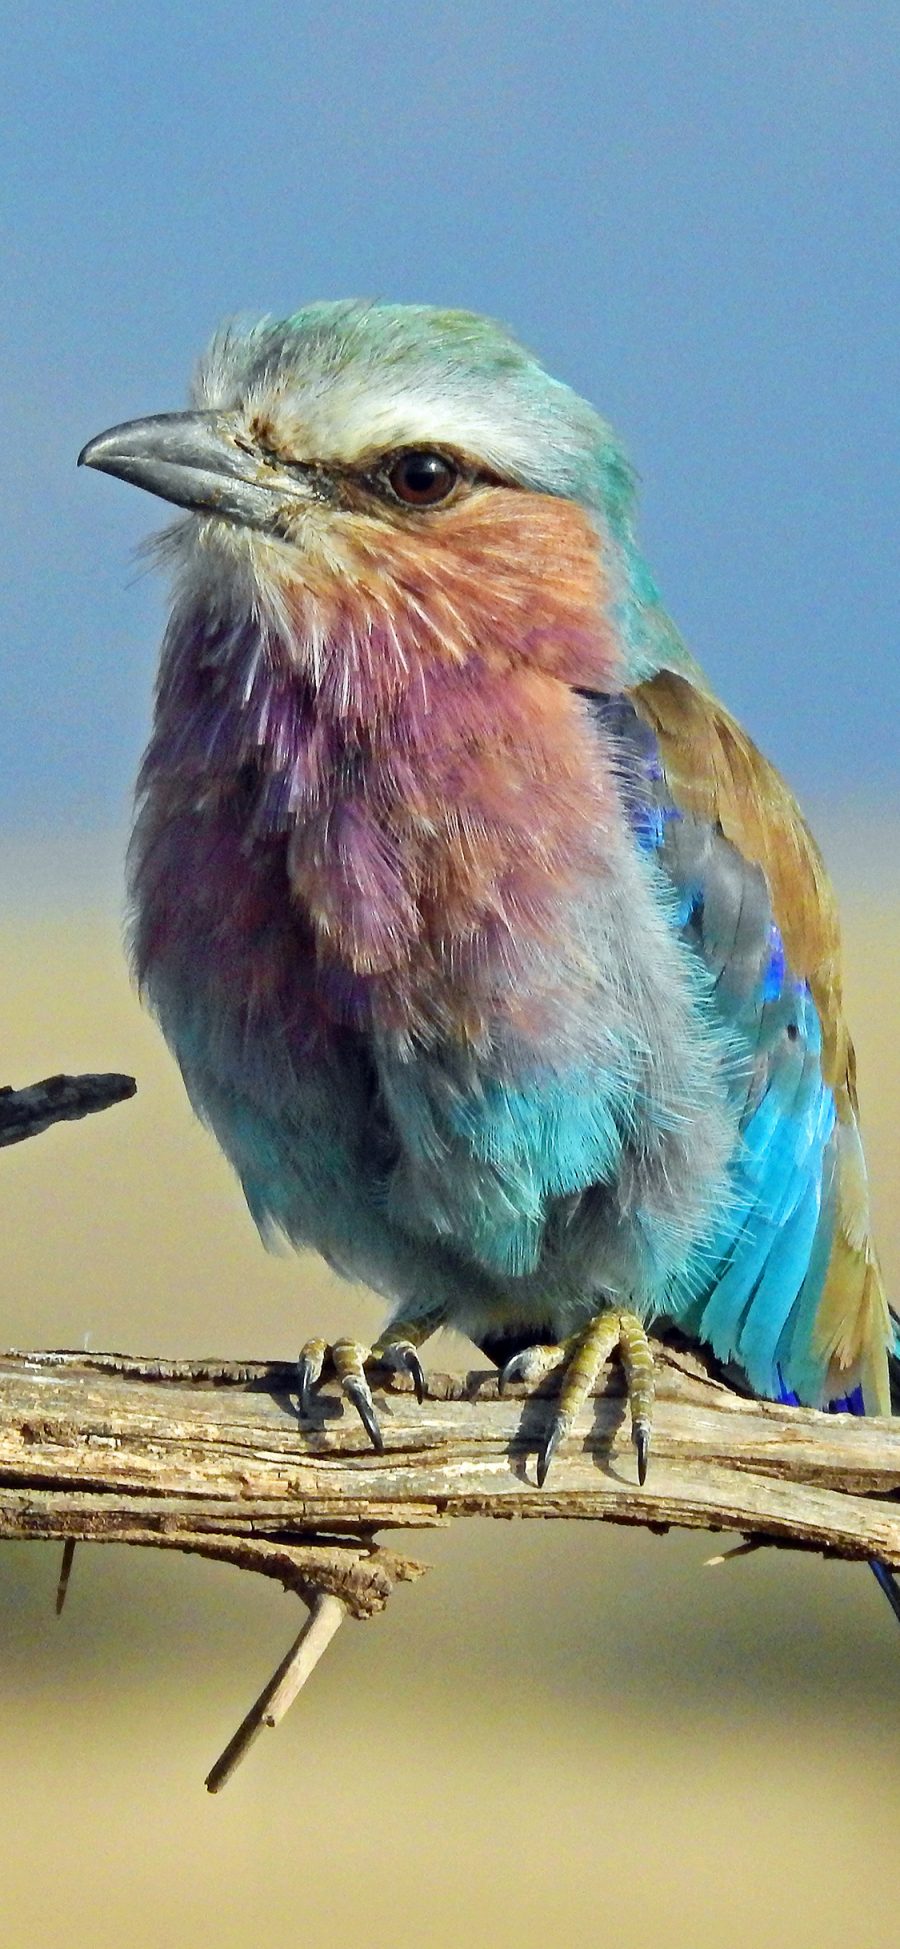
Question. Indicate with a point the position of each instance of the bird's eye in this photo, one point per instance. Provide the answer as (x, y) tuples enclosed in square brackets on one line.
[(422, 479)]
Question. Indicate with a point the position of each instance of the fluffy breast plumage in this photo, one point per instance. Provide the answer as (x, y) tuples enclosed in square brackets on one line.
[(422, 982)]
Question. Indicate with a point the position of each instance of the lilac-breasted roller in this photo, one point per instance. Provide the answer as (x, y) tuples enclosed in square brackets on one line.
[(500, 961)]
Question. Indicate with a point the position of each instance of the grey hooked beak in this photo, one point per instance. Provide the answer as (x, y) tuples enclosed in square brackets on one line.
[(194, 460)]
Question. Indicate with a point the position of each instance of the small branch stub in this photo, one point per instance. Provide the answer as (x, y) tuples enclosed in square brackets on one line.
[(325, 1617)]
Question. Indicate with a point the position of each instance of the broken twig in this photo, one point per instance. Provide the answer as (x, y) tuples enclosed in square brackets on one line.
[(58, 1099), (326, 1614)]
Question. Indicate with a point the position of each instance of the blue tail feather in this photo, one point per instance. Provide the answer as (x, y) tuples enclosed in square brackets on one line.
[(853, 1404), (889, 1584)]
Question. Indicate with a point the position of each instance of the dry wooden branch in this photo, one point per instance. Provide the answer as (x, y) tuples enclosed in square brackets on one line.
[(211, 1458), (58, 1099)]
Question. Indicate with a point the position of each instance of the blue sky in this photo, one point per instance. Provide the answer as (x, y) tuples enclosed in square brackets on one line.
[(690, 211)]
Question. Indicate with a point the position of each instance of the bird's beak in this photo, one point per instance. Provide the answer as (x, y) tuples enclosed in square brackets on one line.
[(195, 460)]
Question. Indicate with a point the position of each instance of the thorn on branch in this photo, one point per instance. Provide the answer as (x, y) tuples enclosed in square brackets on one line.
[(65, 1572), (58, 1099)]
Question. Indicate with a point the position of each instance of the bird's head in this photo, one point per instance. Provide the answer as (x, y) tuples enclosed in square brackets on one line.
[(394, 467)]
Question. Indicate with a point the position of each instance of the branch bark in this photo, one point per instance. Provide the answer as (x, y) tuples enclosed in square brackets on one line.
[(211, 1458)]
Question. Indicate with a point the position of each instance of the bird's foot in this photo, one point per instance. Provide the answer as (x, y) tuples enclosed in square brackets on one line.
[(349, 1360), (581, 1357)]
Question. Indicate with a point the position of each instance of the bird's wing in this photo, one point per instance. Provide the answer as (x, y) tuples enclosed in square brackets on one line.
[(790, 1288)]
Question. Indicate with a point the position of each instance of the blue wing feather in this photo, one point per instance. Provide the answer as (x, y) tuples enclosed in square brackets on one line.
[(751, 1292)]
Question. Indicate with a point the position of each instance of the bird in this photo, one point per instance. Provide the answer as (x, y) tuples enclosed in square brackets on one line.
[(500, 961)]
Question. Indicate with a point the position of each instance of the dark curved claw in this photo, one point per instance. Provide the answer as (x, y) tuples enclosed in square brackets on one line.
[(410, 1362), (557, 1429), (529, 1364), (402, 1356), (509, 1372), (356, 1388)]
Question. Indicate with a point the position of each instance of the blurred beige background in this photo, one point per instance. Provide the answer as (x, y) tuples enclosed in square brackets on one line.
[(564, 1733)]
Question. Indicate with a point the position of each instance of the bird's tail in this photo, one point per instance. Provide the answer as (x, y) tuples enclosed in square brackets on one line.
[(886, 1578), (889, 1585)]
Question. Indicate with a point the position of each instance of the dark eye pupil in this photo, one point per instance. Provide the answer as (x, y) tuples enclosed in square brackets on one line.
[(422, 478)]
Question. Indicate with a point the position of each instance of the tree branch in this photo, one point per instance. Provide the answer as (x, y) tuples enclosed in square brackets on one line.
[(58, 1099), (211, 1458)]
